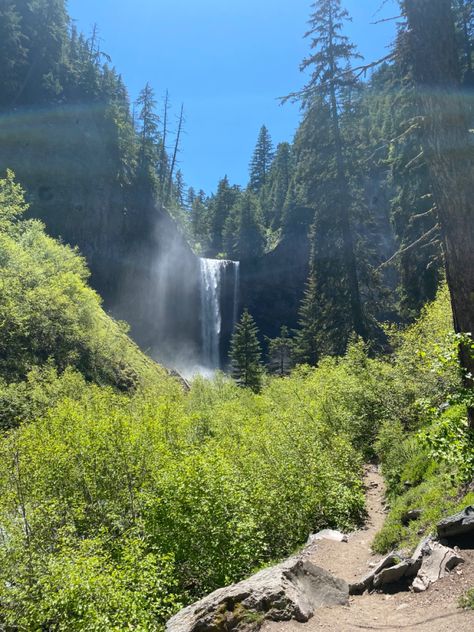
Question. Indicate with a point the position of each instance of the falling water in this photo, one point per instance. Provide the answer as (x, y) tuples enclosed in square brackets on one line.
[(213, 274), (235, 312)]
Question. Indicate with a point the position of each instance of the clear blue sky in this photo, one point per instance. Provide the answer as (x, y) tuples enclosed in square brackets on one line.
[(227, 61)]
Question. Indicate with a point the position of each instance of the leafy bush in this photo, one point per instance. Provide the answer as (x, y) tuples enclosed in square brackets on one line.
[(467, 600), (213, 485), (50, 319), (426, 461)]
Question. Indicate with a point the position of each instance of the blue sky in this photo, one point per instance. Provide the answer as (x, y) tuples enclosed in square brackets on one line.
[(227, 61)]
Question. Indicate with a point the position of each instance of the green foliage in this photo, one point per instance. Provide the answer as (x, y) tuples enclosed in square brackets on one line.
[(280, 353), (467, 600), (425, 446), (123, 506), (261, 161), (436, 497), (50, 320), (243, 235)]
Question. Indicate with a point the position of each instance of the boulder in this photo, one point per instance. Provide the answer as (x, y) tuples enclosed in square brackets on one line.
[(411, 516), (327, 534), (437, 561), (458, 525), (392, 574), (367, 582), (291, 590)]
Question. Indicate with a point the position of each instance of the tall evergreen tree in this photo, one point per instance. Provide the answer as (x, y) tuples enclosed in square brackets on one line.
[(243, 236), (261, 161), (279, 179), (280, 353), (148, 129), (328, 93), (200, 230), (219, 210), (246, 354)]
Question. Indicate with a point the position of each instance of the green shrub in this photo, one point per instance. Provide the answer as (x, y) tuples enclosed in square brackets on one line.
[(467, 600)]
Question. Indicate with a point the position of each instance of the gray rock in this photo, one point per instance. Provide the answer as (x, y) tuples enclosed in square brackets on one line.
[(327, 534), (411, 516), (436, 563), (367, 582), (392, 574), (457, 525), (291, 590)]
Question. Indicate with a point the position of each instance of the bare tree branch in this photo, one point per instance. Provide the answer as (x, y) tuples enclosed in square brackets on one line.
[(410, 247)]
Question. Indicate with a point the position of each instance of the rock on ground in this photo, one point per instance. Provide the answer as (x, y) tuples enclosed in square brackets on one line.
[(458, 525), (291, 590), (435, 565), (327, 534)]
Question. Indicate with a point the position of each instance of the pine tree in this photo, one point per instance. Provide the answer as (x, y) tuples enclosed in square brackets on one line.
[(13, 52), (261, 161), (328, 94), (243, 236), (278, 184), (306, 350), (200, 224), (246, 354), (219, 210), (179, 186), (280, 353), (148, 130)]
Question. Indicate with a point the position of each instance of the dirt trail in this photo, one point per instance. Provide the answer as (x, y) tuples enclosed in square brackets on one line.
[(433, 611)]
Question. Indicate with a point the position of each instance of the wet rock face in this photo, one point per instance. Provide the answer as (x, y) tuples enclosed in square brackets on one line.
[(291, 590)]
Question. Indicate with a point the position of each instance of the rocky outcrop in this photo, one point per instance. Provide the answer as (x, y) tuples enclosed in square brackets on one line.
[(437, 562), (391, 569), (460, 524), (291, 590), (430, 562)]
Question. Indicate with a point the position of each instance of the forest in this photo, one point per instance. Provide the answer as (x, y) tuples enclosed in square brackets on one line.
[(191, 383)]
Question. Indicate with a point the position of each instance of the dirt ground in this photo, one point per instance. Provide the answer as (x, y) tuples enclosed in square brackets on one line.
[(433, 611)]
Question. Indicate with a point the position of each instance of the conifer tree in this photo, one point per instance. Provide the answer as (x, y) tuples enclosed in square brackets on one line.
[(280, 353), (279, 179), (219, 210), (179, 186), (326, 96), (200, 224), (261, 161), (246, 354), (243, 236), (148, 130), (306, 349)]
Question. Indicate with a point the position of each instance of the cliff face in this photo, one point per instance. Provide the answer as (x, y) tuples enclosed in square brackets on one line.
[(68, 160), (272, 286), (65, 159)]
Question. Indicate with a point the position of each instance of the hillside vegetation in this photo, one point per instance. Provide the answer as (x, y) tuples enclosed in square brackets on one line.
[(123, 497)]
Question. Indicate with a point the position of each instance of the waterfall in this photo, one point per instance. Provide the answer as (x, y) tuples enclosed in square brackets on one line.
[(214, 273), (235, 310)]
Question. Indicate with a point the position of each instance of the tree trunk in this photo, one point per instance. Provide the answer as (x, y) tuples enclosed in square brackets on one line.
[(449, 152)]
